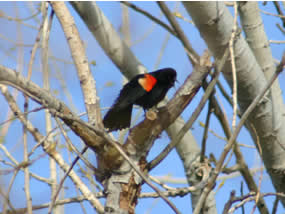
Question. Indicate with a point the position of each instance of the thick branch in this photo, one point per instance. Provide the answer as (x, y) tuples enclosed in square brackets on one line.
[(77, 49), (43, 97)]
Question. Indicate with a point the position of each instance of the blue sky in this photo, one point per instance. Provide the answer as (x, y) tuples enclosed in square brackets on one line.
[(147, 51)]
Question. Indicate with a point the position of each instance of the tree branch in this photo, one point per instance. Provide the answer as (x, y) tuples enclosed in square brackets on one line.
[(193, 56), (151, 17), (77, 49)]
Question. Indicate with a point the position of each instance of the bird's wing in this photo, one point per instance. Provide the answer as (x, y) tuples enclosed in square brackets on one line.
[(131, 92)]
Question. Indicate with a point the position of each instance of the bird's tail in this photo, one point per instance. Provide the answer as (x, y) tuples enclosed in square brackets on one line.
[(118, 118)]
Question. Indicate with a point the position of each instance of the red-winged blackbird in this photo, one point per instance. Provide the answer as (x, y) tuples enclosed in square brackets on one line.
[(145, 90)]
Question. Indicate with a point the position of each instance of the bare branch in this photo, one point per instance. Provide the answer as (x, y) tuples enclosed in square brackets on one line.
[(53, 202), (280, 12), (193, 56), (231, 44), (151, 17), (86, 79), (205, 134)]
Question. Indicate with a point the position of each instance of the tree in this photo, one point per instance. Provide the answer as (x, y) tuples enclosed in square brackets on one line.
[(238, 48)]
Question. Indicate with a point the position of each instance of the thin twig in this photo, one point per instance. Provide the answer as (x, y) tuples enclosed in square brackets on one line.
[(88, 164), (277, 6), (206, 128), (272, 14), (15, 43), (280, 28), (163, 185), (276, 42), (193, 56), (229, 202), (242, 194), (47, 24), (251, 197), (275, 205), (10, 18), (231, 47), (6, 196), (224, 93), (178, 15), (151, 17), (225, 139), (24, 113), (26, 110), (53, 202), (59, 202)]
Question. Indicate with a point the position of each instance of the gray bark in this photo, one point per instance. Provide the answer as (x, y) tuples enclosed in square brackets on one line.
[(215, 24)]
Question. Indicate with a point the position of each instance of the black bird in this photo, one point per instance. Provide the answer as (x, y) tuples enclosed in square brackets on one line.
[(145, 90)]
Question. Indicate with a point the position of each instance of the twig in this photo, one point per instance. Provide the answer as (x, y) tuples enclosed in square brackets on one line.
[(231, 47), (47, 24), (26, 108), (272, 14), (193, 56), (229, 202), (151, 17), (53, 202), (162, 51), (10, 18), (280, 28), (235, 134), (26, 159), (251, 197), (241, 193), (24, 113), (277, 6), (59, 202), (42, 141), (276, 42), (225, 139), (257, 199), (70, 144), (163, 185), (174, 192), (6, 196), (168, 179), (15, 43), (206, 128), (178, 15), (42, 179), (275, 205), (224, 93), (73, 147)]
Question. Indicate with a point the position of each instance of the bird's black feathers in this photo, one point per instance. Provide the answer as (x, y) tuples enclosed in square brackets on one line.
[(146, 93)]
